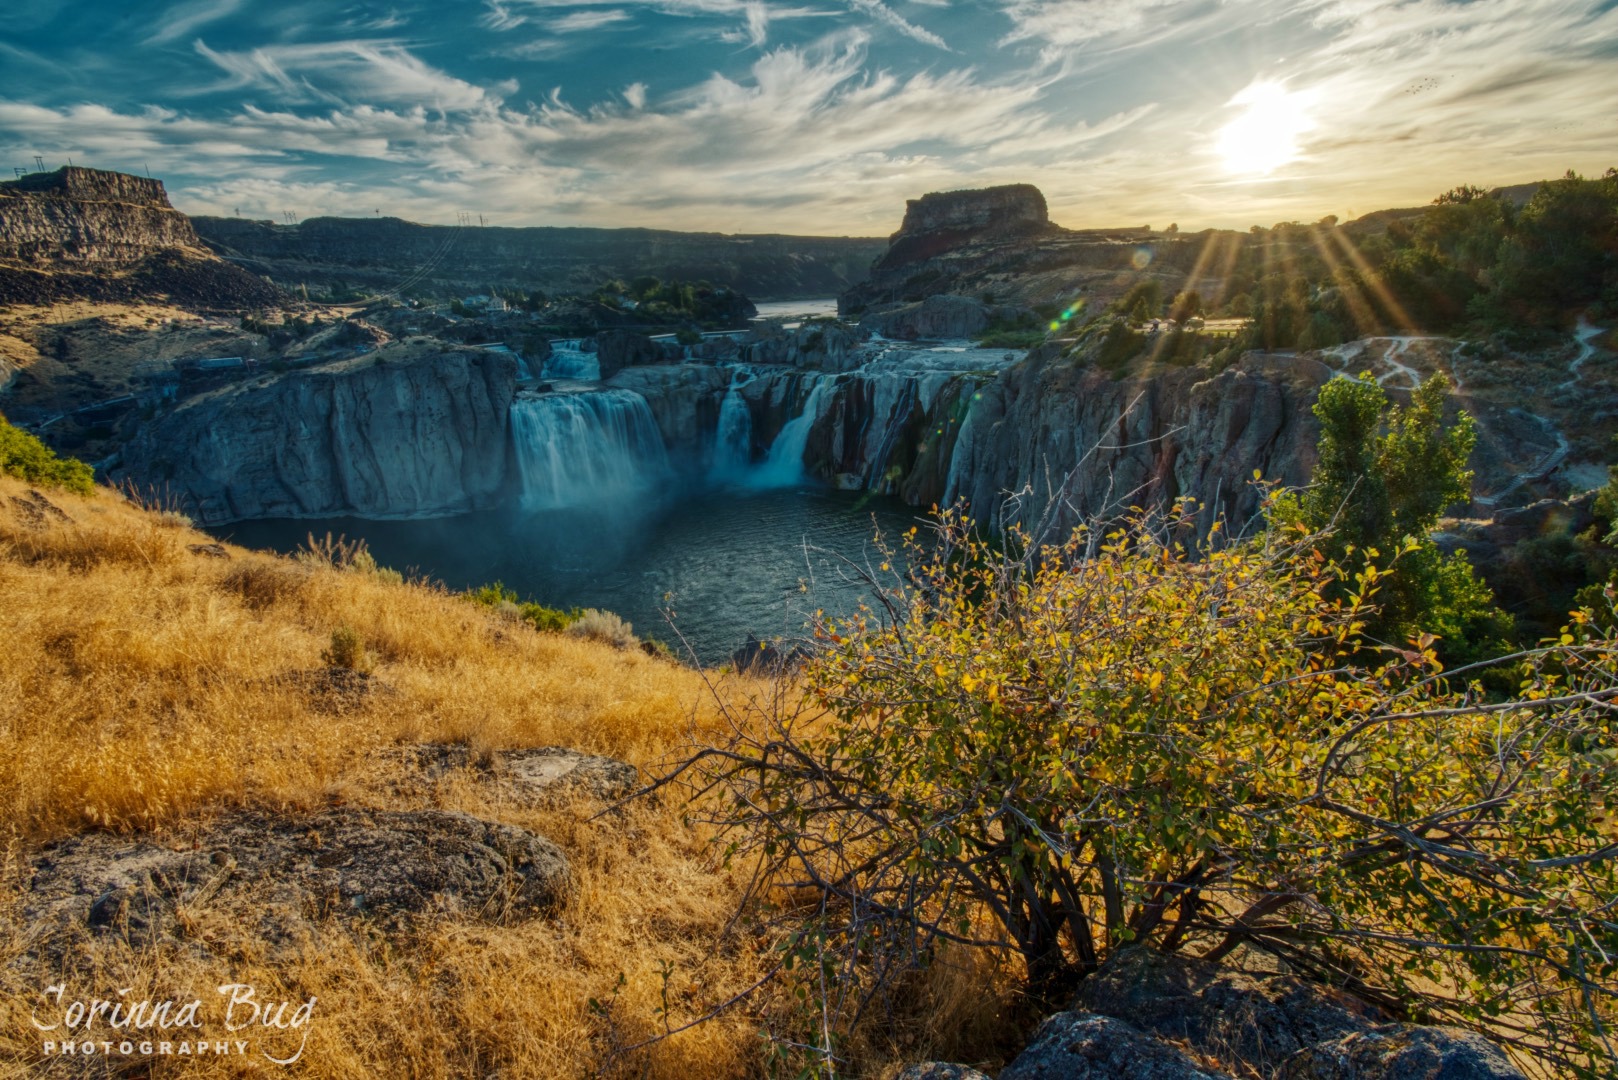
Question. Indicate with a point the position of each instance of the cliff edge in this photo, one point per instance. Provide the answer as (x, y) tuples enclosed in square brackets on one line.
[(80, 233)]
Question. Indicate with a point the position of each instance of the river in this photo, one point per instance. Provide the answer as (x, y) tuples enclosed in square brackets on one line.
[(727, 562)]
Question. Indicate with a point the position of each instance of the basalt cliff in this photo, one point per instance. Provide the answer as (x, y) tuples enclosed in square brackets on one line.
[(412, 430), (81, 233), (902, 403)]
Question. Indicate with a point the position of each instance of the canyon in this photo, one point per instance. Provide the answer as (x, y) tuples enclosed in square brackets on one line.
[(390, 254), (901, 403)]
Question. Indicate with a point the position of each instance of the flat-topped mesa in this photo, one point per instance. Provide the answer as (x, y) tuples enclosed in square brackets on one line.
[(77, 215), (942, 220), (977, 210), (90, 185)]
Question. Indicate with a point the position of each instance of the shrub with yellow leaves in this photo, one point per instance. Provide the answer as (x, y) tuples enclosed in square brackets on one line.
[(1059, 751)]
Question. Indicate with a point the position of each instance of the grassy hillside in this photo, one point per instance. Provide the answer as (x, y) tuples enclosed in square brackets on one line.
[(150, 684)]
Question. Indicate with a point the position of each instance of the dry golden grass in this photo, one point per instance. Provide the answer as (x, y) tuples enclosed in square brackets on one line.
[(145, 687)]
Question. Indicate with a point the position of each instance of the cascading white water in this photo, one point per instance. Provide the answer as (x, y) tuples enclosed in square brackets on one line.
[(569, 361), (783, 467), (586, 448), (733, 441)]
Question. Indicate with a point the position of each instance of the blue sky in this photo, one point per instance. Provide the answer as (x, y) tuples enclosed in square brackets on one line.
[(812, 116)]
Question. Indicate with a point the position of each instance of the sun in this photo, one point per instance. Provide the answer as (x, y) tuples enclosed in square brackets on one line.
[(1265, 136)]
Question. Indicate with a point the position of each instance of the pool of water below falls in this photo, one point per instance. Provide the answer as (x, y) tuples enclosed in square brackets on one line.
[(728, 562)]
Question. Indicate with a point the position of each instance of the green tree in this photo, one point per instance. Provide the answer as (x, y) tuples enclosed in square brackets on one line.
[(1385, 475)]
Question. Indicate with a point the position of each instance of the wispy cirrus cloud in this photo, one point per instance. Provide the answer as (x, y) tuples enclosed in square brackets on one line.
[(383, 71), (183, 20)]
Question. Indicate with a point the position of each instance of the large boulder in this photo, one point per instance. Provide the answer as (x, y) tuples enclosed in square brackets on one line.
[(1263, 1021), (1081, 1046), (1404, 1052)]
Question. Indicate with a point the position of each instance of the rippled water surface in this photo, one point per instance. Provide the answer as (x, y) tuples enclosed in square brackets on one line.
[(731, 561)]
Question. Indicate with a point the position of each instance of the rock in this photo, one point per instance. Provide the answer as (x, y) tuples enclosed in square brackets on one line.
[(940, 1070), (209, 551), (1095, 444), (1220, 1011), (81, 233), (684, 399), (272, 874), (1080, 1046), (534, 776), (548, 771), (1404, 1052), (934, 318), (821, 344), (618, 349), (408, 431)]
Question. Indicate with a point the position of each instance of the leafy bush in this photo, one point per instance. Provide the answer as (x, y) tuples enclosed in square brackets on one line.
[(347, 651), (1058, 752), (1385, 475), (605, 627), (24, 456), (538, 616)]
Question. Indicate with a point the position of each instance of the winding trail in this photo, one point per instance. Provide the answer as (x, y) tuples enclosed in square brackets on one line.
[(1585, 335)]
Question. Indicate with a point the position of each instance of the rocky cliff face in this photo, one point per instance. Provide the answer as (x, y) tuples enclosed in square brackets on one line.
[(109, 236), (944, 220), (1079, 443), (996, 244), (404, 432), (88, 216), (382, 252)]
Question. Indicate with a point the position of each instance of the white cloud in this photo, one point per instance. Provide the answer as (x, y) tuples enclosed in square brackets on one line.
[(886, 15), (182, 20), (583, 21), (343, 70)]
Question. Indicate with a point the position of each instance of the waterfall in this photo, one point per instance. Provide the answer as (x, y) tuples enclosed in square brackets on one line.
[(575, 449), (569, 361), (784, 465), (733, 441)]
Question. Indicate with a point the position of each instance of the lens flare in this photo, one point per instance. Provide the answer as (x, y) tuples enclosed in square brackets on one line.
[(1265, 136)]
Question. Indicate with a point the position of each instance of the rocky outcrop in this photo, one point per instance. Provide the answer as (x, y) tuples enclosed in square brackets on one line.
[(1079, 1046), (821, 344), (1078, 442), (1260, 1021), (273, 875), (1150, 1016), (533, 776), (380, 252), (618, 349), (1404, 1052), (943, 220), (998, 245), (684, 399), (85, 233), (88, 216), (408, 431), (937, 318)]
